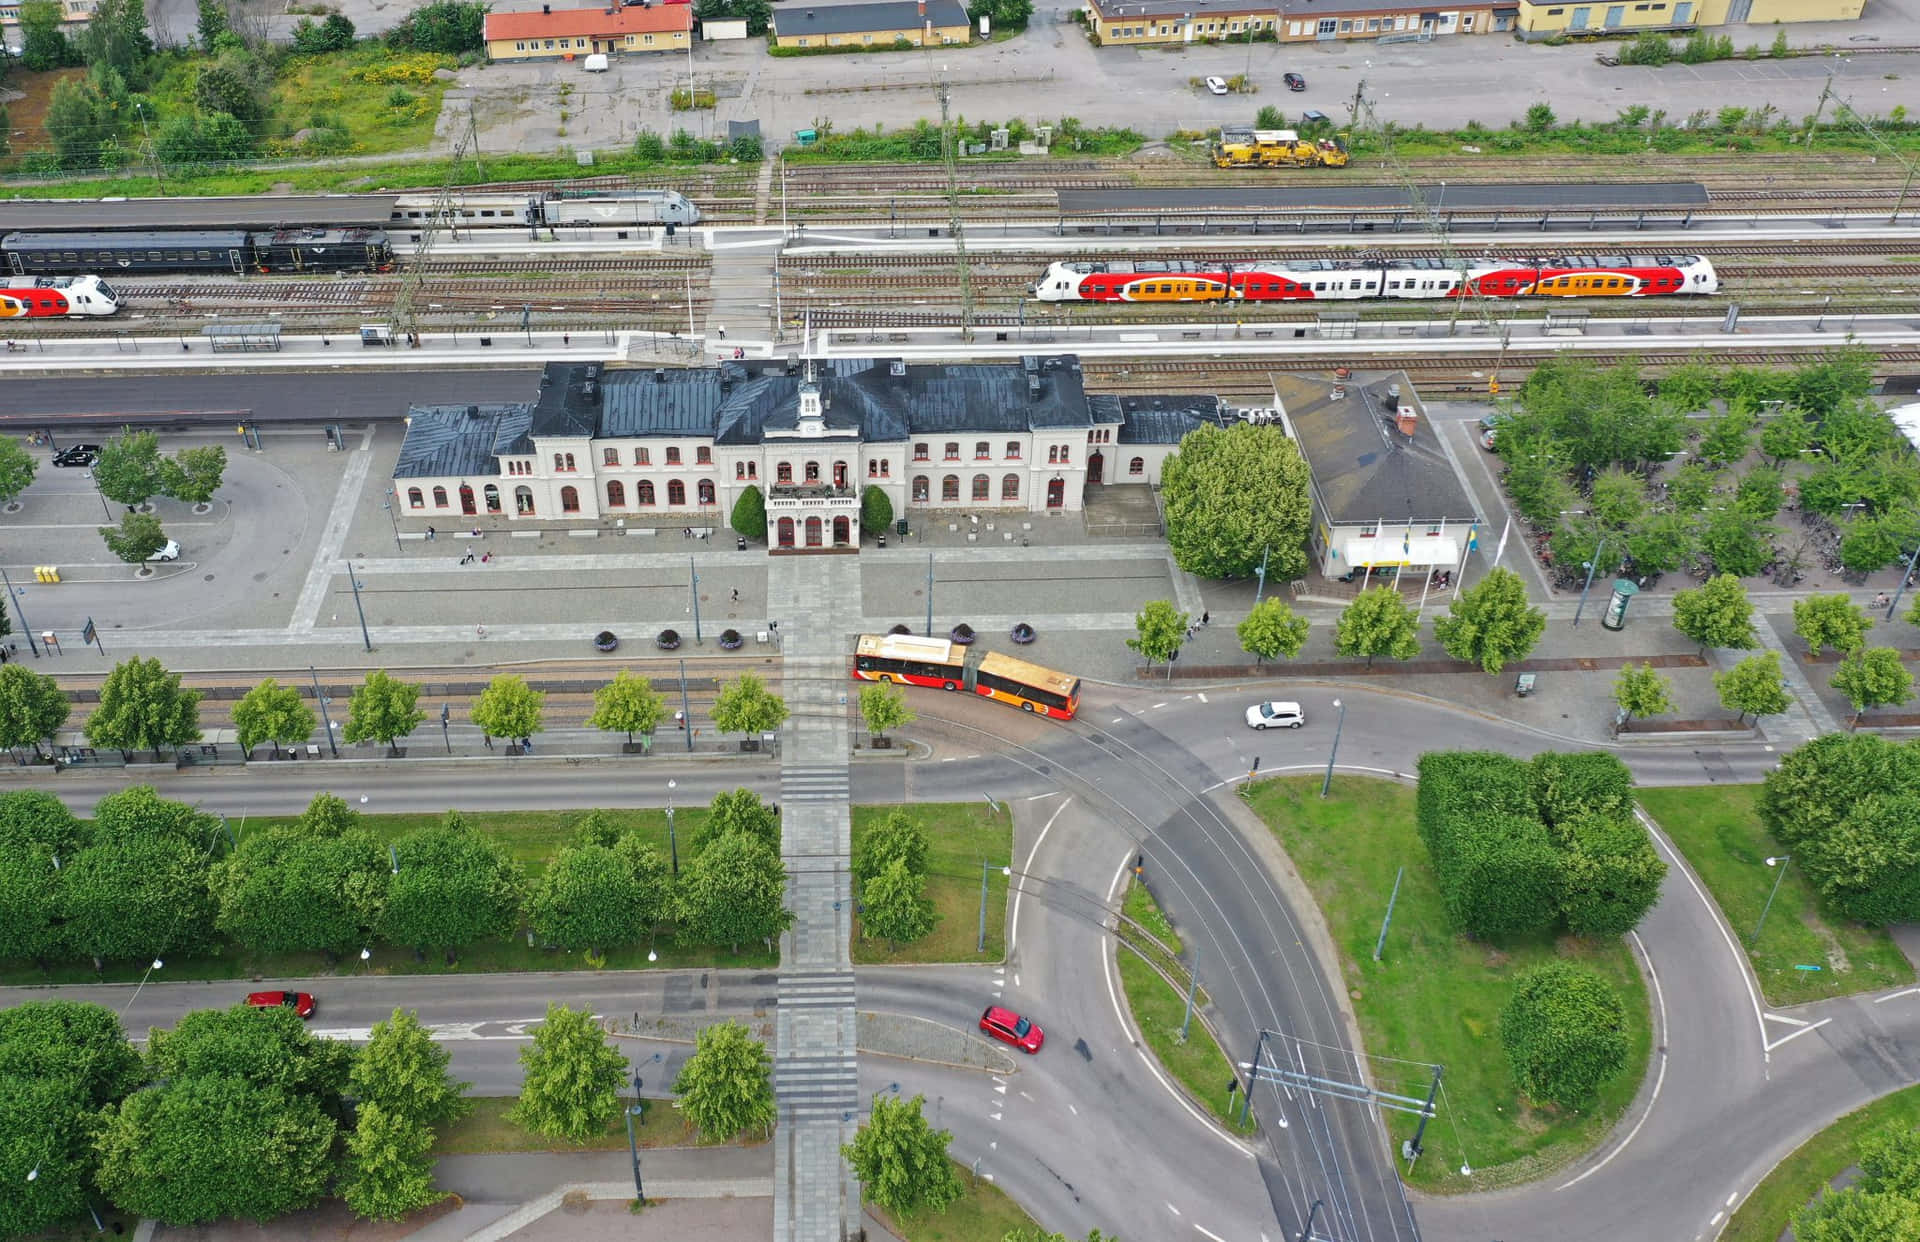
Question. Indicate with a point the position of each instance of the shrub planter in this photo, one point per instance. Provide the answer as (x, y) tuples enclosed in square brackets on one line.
[(962, 634), (880, 743), (1022, 633), (668, 640), (730, 640), (605, 640), (396, 752), (749, 743)]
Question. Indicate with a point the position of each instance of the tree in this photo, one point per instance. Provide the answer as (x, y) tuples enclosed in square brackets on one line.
[(733, 892), (268, 1047), (454, 887), (1753, 686), (1854, 1214), (745, 705), (509, 707), (758, 14), (449, 26), (134, 900), (895, 837), (78, 124), (900, 1160), (1271, 629), (128, 472), (1785, 437), (1869, 543), (1845, 806), (33, 817), (628, 705), (139, 813), (1540, 117), (17, 467), (1736, 543), (286, 891), (335, 34), (79, 1043), (214, 1146), (591, 898), (32, 707), (736, 811), (1728, 437), (1830, 621), (1759, 494), (1564, 1030), (116, 38), (404, 1071), (750, 513), (1231, 494), (726, 1086), (60, 1063), (271, 712), (1716, 614), (571, 1087), (1642, 691), (1159, 630), (383, 709), (1491, 622), (1872, 677), (43, 42), (389, 1165), (327, 816), (1378, 622), (213, 22), (144, 707), (194, 475), (884, 709), (1609, 873), (876, 510), (138, 536), (895, 906)]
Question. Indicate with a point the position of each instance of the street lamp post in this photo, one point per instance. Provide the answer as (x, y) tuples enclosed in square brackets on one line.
[(1904, 579), (1306, 1230), (1327, 784), (693, 576), (1780, 861), (446, 715), (633, 1148), (1592, 566), (929, 595), (325, 717), (12, 595), (387, 504), (1261, 574), (1193, 985), (981, 945), (673, 842), (354, 578)]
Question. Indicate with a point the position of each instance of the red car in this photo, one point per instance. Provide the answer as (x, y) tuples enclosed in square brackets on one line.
[(300, 1002), (1009, 1027)]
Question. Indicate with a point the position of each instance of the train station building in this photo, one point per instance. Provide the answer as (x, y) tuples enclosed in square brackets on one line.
[(575, 33)]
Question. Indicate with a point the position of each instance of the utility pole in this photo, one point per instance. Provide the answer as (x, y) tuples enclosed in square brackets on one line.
[(405, 320), (949, 142), (1410, 1152)]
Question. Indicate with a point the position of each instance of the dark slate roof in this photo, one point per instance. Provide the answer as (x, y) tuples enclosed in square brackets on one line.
[(840, 19), (1163, 418), (569, 402), (1364, 469), (450, 441)]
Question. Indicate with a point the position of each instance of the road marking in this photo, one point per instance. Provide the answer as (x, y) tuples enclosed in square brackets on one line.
[(1881, 1000), (1732, 1197), (1203, 699), (1659, 1078), (1016, 981), (1805, 1027), (1073, 1110), (1716, 1218), (949, 758), (1036, 797), (1026, 1097), (1173, 1209), (1156, 707), (1013, 922), (1118, 720), (1780, 1017), (1210, 1233)]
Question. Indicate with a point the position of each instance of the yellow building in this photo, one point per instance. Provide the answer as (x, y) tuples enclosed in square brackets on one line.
[(1128, 22), (568, 34), (927, 23), (70, 11), (1539, 20), (1169, 21)]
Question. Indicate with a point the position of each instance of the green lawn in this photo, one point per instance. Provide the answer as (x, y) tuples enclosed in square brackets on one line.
[(982, 1213), (486, 1129), (1801, 1175), (1721, 834), (959, 836), (1160, 1010), (1434, 997)]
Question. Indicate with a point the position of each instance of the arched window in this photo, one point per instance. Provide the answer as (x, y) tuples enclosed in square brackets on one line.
[(616, 494), (439, 497), (982, 450), (884, 472), (739, 469), (1137, 466), (643, 492), (920, 487), (753, 470), (610, 457), (1010, 487), (676, 492), (704, 489), (950, 487), (416, 500), (1066, 453), (813, 472), (783, 472), (523, 500), (493, 498), (1053, 455), (873, 468), (569, 500), (982, 487)]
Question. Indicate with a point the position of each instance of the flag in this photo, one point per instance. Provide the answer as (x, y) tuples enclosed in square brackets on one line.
[(1473, 536), (1406, 543)]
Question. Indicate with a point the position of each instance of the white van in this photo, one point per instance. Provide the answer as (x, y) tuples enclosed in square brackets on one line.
[(596, 63)]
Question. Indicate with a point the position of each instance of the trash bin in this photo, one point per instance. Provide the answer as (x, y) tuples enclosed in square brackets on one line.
[(740, 542), (900, 528), (883, 540)]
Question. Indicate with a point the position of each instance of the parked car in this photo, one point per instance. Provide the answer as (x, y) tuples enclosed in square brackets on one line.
[(1294, 82), (1313, 116), (300, 1002), (169, 553), (77, 455), (1489, 428), (1275, 716), (1009, 1027), (1217, 85)]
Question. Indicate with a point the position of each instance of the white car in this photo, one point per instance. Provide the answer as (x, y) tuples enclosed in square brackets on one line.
[(1275, 716), (1217, 85), (169, 553)]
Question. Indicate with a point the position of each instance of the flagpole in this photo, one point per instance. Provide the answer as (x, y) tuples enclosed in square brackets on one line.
[(1502, 549), (1460, 574)]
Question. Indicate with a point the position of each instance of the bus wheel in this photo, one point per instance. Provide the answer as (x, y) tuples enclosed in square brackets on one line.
[(1026, 707), (885, 678), (949, 686)]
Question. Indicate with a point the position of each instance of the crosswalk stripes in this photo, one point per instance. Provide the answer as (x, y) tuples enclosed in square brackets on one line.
[(816, 1086), (815, 784)]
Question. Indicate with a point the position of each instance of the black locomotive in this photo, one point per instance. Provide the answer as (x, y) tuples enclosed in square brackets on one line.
[(198, 250)]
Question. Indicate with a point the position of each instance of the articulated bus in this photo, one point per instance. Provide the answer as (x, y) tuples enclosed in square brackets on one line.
[(942, 664)]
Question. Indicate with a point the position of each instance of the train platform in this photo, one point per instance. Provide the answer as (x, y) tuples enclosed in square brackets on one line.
[(1612, 197)]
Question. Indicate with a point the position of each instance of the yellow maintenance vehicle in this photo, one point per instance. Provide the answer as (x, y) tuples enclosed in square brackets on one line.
[(1277, 148)]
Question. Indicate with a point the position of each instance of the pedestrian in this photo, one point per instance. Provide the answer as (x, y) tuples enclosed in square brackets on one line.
[(736, 595), (566, 338), (469, 557), (1206, 618), (485, 557), (722, 330), (489, 738), (1881, 600), (476, 532), (430, 534), (480, 631)]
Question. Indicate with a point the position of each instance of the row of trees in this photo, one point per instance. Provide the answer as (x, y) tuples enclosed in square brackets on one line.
[(890, 866), (1520, 848), (149, 877), (232, 1113)]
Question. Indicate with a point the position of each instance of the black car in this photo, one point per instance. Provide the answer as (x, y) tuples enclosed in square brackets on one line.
[(77, 455), (1295, 82)]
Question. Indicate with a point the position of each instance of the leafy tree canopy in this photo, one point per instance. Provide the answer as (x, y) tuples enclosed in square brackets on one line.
[(627, 704), (17, 468), (383, 709), (271, 712), (1378, 622), (902, 1161), (1159, 630), (403, 1070), (1565, 1034), (733, 892), (1231, 494), (1271, 629), (1491, 622), (726, 1086), (285, 890), (138, 536), (572, 1077), (895, 837), (128, 472), (144, 707), (509, 707), (455, 886), (32, 707), (745, 705), (1716, 614), (266, 1047)]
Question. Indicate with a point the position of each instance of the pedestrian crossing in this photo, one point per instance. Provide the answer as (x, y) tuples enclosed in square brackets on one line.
[(815, 783), (814, 1075)]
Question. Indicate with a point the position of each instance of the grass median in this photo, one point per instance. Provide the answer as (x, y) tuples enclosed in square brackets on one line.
[(486, 1130), (959, 836), (1802, 1175), (1800, 955), (982, 1213), (1435, 997), (1159, 1009)]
